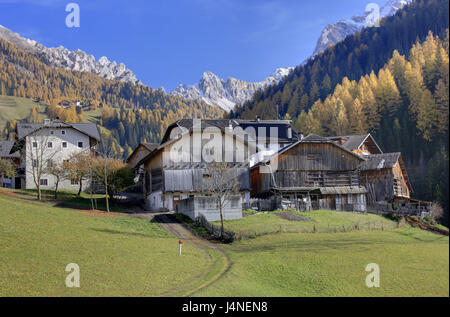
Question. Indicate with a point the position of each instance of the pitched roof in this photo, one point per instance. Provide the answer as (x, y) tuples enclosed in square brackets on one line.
[(311, 138), (90, 129), (343, 190), (5, 148), (383, 161), (222, 124), (151, 146), (380, 161), (353, 141), (325, 190), (314, 138)]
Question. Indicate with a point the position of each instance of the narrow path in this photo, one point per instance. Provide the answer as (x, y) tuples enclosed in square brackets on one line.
[(221, 263), (419, 223)]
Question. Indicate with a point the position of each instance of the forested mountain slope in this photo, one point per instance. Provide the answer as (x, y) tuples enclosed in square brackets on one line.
[(353, 57), (391, 81), (405, 106), (133, 113)]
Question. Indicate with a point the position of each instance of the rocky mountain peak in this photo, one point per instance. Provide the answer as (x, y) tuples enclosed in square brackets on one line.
[(78, 60), (226, 94), (334, 33)]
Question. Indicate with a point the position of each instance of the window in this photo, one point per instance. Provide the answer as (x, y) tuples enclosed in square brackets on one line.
[(80, 144), (338, 199), (35, 163), (52, 132), (49, 163), (73, 182), (63, 132), (34, 144), (64, 144), (50, 145), (350, 199), (44, 182)]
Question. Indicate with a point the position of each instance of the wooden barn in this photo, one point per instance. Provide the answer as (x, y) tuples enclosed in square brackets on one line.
[(143, 150), (387, 183), (176, 170), (312, 173)]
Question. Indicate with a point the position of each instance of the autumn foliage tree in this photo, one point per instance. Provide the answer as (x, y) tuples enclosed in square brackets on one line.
[(78, 168), (113, 175)]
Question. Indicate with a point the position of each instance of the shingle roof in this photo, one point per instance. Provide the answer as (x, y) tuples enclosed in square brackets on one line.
[(339, 190), (281, 126), (380, 161), (314, 138), (352, 141), (151, 146), (90, 129), (325, 190), (5, 148)]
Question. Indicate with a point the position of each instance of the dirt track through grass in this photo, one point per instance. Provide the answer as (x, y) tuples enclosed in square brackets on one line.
[(220, 262)]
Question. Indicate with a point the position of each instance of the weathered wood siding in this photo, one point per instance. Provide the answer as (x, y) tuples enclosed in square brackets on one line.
[(206, 147), (137, 156), (317, 157), (385, 184), (379, 185), (401, 189), (308, 165), (153, 177), (191, 180)]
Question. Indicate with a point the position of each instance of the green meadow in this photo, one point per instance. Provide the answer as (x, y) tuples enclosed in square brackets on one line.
[(123, 256), (412, 263), (117, 256)]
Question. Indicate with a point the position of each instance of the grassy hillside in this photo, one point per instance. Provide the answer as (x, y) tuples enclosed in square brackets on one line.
[(412, 263), (16, 108), (123, 256), (320, 221), (117, 255)]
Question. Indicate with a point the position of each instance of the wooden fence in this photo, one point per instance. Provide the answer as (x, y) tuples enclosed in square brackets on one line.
[(215, 231)]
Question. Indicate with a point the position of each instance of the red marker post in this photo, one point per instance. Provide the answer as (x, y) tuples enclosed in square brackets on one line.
[(180, 243)]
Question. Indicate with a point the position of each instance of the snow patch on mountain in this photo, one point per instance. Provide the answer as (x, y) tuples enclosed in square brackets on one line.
[(77, 60), (334, 33), (226, 94)]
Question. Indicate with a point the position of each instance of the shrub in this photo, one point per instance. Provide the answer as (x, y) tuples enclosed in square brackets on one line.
[(436, 211)]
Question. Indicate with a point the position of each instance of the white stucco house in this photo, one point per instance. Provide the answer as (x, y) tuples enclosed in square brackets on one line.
[(50, 142)]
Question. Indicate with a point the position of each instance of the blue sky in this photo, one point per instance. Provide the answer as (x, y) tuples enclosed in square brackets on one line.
[(168, 42)]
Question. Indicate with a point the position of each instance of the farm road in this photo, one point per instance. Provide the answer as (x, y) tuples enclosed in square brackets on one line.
[(220, 263)]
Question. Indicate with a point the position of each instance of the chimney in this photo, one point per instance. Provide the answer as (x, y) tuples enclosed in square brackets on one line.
[(47, 121), (300, 136), (230, 126), (258, 118)]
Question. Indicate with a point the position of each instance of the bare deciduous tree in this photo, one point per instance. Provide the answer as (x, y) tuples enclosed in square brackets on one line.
[(59, 172), (436, 211), (38, 154), (222, 183)]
